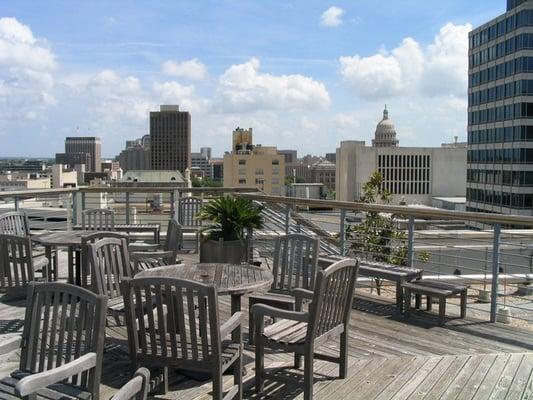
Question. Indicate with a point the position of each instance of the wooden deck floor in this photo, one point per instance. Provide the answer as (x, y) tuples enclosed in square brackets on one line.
[(390, 358)]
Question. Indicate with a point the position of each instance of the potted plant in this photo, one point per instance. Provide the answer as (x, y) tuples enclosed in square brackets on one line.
[(225, 239)]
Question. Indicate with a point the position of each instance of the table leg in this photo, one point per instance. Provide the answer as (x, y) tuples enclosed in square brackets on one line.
[(48, 268), (78, 266), (399, 297), (236, 307), (407, 307), (463, 303), (55, 268), (70, 278)]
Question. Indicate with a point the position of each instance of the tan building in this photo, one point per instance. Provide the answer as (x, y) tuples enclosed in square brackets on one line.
[(324, 172), (249, 165)]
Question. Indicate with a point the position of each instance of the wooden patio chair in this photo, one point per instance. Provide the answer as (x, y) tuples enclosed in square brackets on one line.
[(98, 219), (188, 209), (144, 260), (14, 223), (302, 332), (61, 347), (295, 261), (93, 237), (173, 243), (174, 323), (136, 388), (109, 264), (17, 265)]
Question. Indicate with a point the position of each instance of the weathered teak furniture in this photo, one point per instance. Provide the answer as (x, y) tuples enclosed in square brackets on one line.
[(98, 219), (14, 223), (109, 263), (154, 229), (294, 266), (144, 260), (82, 274), (302, 332), (17, 266), (188, 209), (173, 243), (175, 323), (61, 345), (433, 288), (136, 388), (387, 272)]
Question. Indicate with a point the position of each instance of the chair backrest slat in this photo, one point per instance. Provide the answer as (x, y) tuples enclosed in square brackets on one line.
[(172, 319), (333, 297), (174, 239), (295, 262), (16, 262), (14, 223), (56, 311), (188, 208), (98, 219), (108, 263)]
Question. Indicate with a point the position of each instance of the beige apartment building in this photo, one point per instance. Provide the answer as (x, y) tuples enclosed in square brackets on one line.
[(254, 165)]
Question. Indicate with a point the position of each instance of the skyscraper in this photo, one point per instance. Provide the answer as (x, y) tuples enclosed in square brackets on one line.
[(90, 145), (500, 112), (170, 136)]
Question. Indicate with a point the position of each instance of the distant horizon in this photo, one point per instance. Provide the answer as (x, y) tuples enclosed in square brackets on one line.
[(307, 74)]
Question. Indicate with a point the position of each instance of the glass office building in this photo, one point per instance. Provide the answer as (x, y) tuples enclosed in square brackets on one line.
[(500, 113)]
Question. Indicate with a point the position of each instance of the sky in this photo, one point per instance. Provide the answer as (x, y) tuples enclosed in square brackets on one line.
[(303, 74)]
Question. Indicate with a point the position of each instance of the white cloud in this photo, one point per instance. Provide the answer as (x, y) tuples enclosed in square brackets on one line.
[(191, 69), (243, 88), (173, 92), (439, 69), (332, 17)]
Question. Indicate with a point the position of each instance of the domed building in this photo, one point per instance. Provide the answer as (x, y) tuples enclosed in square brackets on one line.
[(385, 135)]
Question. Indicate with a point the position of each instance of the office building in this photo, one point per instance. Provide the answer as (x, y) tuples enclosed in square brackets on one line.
[(500, 112), (70, 160), (136, 155), (206, 152), (250, 165), (88, 145), (291, 156), (170, 139), (217, 167), (411, 174), (201, 166)]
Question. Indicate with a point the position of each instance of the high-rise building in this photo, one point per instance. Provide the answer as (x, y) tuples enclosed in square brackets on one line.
[(500, 112), (90, 145), (170, 136), (200, 162), (248, 165), (206, 152), (136, 155), (291, 156)]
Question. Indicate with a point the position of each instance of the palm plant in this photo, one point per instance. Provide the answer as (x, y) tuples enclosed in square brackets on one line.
[(231, 217)]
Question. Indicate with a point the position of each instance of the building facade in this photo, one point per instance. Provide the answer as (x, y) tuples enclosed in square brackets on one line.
[(248, 165), (500, 113), (170, 139), (412, 175), (201, 163), (90, 145), (324, 172), (136, 155)]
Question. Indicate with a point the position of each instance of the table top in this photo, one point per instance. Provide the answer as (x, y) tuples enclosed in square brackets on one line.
[(227, 278), (61, 238), (130, 226)]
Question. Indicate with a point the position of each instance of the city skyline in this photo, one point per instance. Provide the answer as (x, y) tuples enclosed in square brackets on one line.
[(326, 75)]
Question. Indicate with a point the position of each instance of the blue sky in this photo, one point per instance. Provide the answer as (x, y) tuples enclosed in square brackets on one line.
[(303, 74)]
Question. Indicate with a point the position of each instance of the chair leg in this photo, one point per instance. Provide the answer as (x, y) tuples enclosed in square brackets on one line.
[(308, 375), (463, 304), (251, 326), (429, 305), (163, 386), (442, 310), (297, 360), (237, 374), (217, 385), (259, 364), (407, 300), (418, 301), (343, 356)]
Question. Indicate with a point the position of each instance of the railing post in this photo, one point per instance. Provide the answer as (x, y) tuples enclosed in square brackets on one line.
[(68, 206), (410, 241), (172, 205), (287, 219), (75, 208), (127, 208), (82, 201), (342, 233), (495, 272), (16, 201)]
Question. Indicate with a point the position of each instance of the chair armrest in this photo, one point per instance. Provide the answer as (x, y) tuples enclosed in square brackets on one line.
[(32, 383), (299, 296), (231, 324), (10, 345), (262, 310), (141, 247)]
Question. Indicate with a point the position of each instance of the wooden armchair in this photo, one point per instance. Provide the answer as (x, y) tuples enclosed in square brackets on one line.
[(302, 332), (14, 223), (98, 219), (109, 263), (188, 209), (61, 345), (174, 323), (17, 266), (136, 388), (295, 264), (173, 244)]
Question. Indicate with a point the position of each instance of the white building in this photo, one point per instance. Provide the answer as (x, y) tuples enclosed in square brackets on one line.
[(412, 174)]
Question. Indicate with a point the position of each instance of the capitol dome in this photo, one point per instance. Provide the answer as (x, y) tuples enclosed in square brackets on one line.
[(385, 135)]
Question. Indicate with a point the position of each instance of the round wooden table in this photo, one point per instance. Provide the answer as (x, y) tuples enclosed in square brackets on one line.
[(229, 279), (68, 239)]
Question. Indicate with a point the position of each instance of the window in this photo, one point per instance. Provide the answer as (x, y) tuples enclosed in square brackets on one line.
[(242, 181), (275, 181), (275, 162), (242, 162), (275, 171), (259, 181), (259, 171)]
